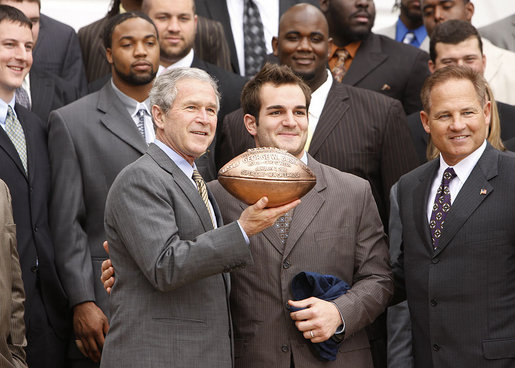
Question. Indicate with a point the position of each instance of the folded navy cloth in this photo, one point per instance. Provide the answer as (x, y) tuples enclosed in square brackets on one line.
[(325, 287)]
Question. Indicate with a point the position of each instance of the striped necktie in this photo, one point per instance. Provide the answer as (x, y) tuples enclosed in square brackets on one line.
[(201, 187), (17, 136)]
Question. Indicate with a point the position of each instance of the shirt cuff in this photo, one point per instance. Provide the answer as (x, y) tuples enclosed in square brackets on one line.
[(246, 237), (341, 329)]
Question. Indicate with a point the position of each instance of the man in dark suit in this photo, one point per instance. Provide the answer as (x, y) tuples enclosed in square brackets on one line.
[(457, 254), (219, 10), (210, 43), (457, 42), (373, 61), (90, 142), (57, 50), (26, 171), (12, 296), (174, 290)]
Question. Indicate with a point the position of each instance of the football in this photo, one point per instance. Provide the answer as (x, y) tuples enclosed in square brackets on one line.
[(266, 171)]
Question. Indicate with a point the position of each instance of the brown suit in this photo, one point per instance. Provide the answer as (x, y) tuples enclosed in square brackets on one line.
[(210, 45), (335, 230), (12, 296)]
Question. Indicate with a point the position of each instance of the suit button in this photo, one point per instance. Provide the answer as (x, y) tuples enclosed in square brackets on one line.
[(436, 347), (285, 348), (36, 229), (34, 269), (433, 303), (287, 306), (286, 265), (435, 260)]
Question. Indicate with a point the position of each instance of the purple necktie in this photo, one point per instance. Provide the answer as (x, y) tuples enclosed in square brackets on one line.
[(441, 206)]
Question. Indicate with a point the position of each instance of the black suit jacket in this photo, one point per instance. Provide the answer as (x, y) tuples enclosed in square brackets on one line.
[(57, 51), (49, 92), (461, 296), (359, 131), (420, 137), (391, 68), (30, 208), (217, 10)]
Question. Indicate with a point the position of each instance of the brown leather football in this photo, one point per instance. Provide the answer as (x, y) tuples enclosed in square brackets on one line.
[(266, 171)]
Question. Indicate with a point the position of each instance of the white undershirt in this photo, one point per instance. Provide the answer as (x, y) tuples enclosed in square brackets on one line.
[(269, 12)]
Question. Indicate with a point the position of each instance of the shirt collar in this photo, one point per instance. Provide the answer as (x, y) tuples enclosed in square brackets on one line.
[(180, 161), (401, 31), (304, 158), (465, 166), (352, 48), (3, 109), (319, 96), (184, 62), (131, 104)]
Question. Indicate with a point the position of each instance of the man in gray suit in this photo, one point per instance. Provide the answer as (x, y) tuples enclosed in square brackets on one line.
[(90, 142), (168, 241), (501, 33), (458, 240)]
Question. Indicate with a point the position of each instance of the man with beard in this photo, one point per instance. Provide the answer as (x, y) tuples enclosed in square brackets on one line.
[(409, 28), (364, 59), (90, 142)]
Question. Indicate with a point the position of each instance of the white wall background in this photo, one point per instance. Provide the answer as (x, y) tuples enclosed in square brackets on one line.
[(78, 13)]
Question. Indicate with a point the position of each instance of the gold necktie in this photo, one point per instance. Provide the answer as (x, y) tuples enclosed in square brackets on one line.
[(339, 69), (15, 133), (201, 186)]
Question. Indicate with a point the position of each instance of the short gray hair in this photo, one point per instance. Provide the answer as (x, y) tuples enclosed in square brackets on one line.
[(164, 90)]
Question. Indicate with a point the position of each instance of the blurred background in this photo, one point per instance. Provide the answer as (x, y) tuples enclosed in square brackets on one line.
[(78, 13)]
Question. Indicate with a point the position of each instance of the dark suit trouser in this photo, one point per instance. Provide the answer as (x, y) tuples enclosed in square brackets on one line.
[(44, 348)]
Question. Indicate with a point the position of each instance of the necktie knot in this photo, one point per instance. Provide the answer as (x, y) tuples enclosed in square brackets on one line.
[(342, 54), (448, 175), (408, 38)]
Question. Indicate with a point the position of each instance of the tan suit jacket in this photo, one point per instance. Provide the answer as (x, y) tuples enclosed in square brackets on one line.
[(336, 230), (12, 296)]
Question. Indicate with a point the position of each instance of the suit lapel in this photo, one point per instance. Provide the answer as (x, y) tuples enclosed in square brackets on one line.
[(470, 196), (8, 146), (306, 211), (333, 113), (117, 119), (187, 187), (420, 198), (368, 57)]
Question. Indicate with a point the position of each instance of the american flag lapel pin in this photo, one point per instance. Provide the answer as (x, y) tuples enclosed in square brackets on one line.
[(482, 192)]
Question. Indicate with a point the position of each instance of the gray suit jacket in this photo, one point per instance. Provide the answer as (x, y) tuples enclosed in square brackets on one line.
[(501, 33), (335, 230), (461, 296), (169, 304), (90, 142), (12, 296)]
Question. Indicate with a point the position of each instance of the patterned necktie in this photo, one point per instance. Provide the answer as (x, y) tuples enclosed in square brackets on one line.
[(15, 133), (22, 97), (408, 39), (141, 122), (282, 226), (201, 186), (253, 38), (441, 206), (339, 69)]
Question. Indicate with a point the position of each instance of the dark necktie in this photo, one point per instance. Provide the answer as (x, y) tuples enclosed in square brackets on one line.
[(201, 186), (339, 69), (22, 97), (17, 136), (253, 38), (141, 122), (441, 206), (282, 226)]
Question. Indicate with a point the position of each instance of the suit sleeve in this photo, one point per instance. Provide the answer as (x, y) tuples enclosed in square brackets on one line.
[(398, 155), (144, 220), (67, 214), (16, 339), (372, 284)]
